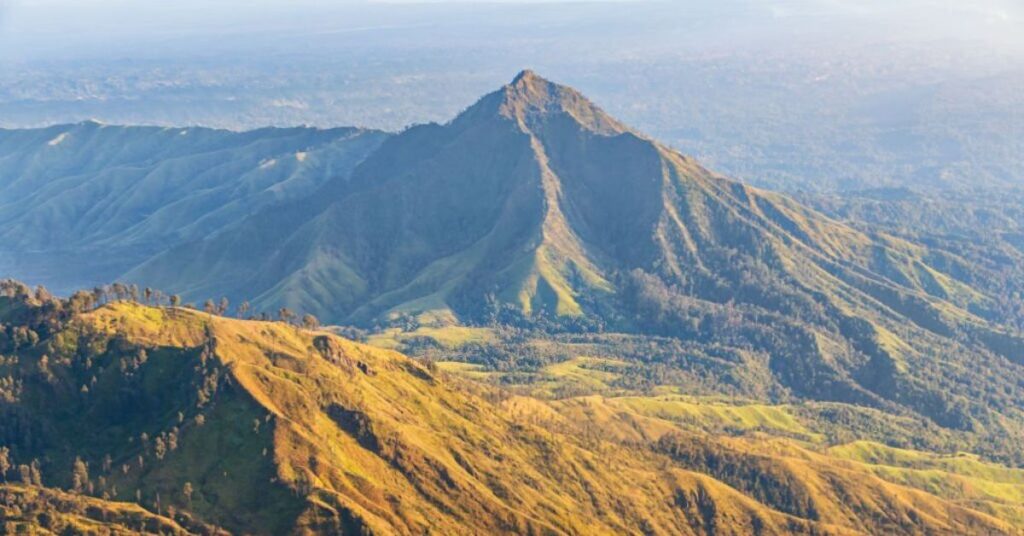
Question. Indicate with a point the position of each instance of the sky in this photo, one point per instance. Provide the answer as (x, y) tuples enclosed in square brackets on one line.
[(42, 28)]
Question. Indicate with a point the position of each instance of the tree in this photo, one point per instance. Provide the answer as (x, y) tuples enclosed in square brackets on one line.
[(310, 322), (5, 462), (285, 315), (209, 307), (81, 301), (243, 308), (303, 484), (43, 295), (159, 448), (22, 337), (175, 300), (223, 307), (148, 293), (79, 475), (35, 473)]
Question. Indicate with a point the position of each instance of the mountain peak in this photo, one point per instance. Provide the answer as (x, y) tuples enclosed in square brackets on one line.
[(530, 98), (530, 90), (530, 84), (526, 76)]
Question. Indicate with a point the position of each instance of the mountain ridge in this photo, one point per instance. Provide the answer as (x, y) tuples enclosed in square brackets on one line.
[(103, 198), (533, 215), (529, 103), (315, 433), (520, 209)]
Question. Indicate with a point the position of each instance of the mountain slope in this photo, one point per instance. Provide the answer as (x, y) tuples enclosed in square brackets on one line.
[(277, 430), (533, 206), (424, 216), (34, 510), (103, 198), (536, 193)]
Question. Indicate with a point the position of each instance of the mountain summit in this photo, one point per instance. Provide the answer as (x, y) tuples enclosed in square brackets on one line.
[(534, 205), (530, 99), (442, 215)]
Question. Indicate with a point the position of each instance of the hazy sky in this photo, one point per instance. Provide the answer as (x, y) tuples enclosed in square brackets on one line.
[(787, 90), (68, 28)]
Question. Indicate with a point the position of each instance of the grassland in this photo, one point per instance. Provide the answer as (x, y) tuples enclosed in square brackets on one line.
[(277, 429), (447, 337), (33, 510)]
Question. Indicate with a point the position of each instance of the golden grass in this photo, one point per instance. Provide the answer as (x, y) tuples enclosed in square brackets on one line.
[(715, 414), (68, 513), (448, 337), (398, 449)]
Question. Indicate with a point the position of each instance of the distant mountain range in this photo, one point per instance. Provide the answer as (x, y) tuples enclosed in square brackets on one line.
[(81, 204), (532, 206)]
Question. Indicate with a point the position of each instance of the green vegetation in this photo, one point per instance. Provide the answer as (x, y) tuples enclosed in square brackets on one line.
[(446, 337), (35, 510), (63, 227), (265, 427), (709, 414)]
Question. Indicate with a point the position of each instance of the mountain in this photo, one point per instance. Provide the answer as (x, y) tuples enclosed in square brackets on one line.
[(534, 207), (536, 243), (211, 424), (435, 212), (81, 204), (535, 194)]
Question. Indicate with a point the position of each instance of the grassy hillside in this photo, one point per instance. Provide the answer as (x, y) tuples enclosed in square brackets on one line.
[(263, 427), (26, 509), (103, 198)]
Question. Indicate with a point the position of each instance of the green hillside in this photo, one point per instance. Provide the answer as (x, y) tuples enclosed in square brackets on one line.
[(261, 427), (27, 509), (81, 204)]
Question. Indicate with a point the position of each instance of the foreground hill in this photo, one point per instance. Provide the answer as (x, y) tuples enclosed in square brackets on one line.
[(535, 208), (81, 204), (26, 509), (260, 427)]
